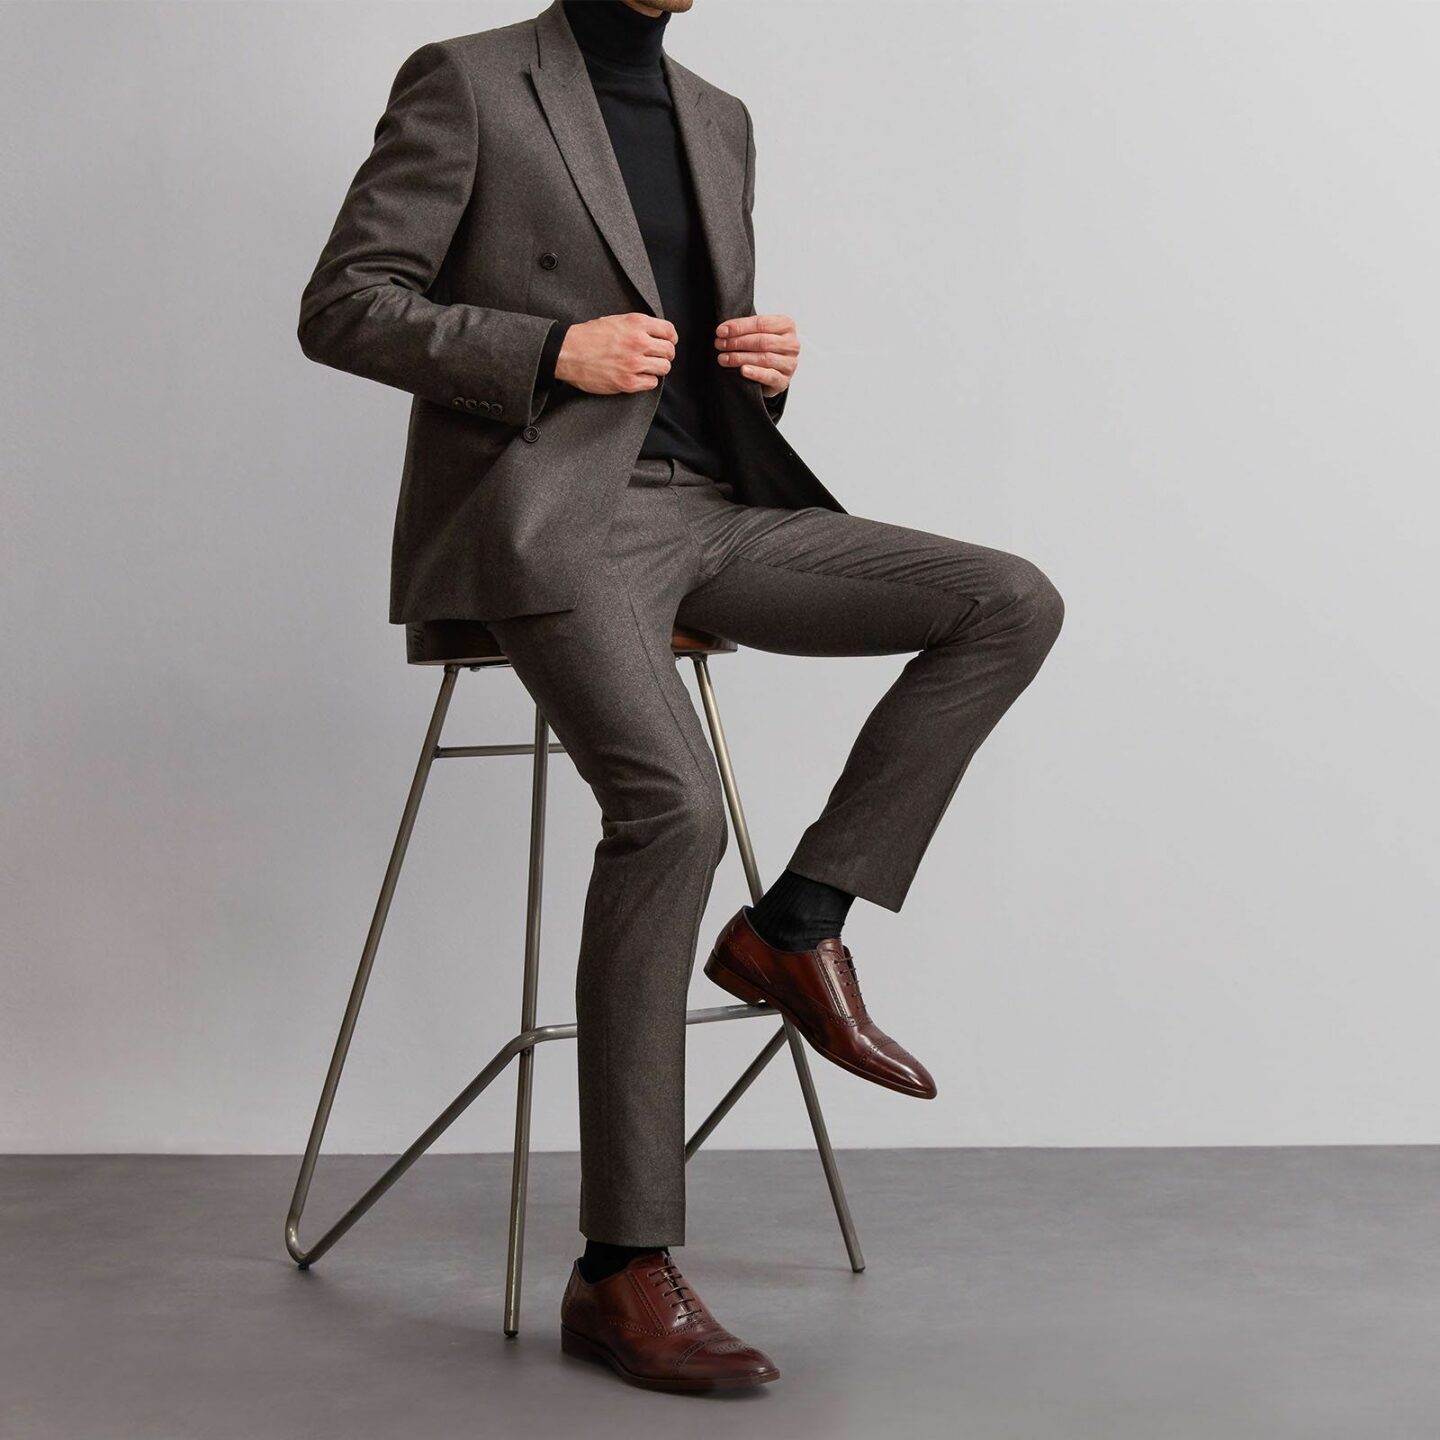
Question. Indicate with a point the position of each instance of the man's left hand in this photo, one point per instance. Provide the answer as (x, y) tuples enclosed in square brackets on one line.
[(764, 347)]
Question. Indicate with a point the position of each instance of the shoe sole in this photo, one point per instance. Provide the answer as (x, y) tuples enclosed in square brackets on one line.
[(581, 1347), (742, 989)]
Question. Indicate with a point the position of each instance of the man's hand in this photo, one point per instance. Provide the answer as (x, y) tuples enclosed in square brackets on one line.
[(616, 354), (765, 347)]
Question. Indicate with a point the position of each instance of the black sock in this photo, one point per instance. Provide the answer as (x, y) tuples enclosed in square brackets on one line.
[(600, 1259), (797, 913)]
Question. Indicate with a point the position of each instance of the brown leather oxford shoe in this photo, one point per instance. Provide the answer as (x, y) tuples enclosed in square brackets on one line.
[(818, 992), (651, 1328)]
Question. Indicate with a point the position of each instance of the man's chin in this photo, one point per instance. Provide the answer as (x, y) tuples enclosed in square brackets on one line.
[(655, 7)]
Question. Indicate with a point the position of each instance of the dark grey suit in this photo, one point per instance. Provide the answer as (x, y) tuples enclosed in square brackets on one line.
[(494, 152)]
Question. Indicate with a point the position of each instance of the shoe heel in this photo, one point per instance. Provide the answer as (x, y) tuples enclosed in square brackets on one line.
[(577, 1345), (727, 979)]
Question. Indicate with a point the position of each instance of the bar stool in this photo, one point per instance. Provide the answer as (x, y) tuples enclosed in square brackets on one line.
[(458, 645)]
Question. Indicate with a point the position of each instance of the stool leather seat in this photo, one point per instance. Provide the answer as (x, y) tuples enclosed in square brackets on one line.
[(471, 642)]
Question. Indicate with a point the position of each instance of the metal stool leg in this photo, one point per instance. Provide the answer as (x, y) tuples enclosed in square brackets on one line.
[(301, 1256), (521, 1163), (522, 1045), (797, 1045)]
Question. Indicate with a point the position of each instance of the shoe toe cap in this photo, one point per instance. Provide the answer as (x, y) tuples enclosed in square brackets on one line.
[(727, 1357), (898, 1068)]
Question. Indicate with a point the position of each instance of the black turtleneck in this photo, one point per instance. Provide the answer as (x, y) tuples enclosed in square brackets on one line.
[(622, 53)]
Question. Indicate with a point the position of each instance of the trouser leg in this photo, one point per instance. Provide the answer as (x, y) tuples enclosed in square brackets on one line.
[(813, 582), (606, 679)]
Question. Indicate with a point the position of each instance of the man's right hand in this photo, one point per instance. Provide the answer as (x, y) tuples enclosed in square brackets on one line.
[(617, 354)]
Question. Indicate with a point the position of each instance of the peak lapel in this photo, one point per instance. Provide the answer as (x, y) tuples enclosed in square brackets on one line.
[(573, 112)]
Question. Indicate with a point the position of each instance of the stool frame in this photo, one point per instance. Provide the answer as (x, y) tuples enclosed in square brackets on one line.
[(523, 1044)]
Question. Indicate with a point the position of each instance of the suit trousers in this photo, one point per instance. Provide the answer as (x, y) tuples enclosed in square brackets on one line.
[(811, 581)]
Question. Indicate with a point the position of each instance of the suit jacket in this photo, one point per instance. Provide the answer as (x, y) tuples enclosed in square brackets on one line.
[(491, 205)]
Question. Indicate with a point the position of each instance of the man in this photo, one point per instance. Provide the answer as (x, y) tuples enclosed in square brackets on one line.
[(551, 248)]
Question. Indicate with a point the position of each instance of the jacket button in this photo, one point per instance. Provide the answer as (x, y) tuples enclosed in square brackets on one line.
[(549, 260), (494, 407), (530, 433), (459, 401), (484, 407), (472, 405)]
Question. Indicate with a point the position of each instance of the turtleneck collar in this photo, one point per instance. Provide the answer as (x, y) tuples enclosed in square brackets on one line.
[(613, 32)]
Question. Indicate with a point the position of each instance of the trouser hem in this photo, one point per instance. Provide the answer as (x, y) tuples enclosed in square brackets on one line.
[(850, 876), (658, 1230)]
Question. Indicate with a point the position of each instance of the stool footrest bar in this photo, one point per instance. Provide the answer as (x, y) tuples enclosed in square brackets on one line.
[(465, 752)]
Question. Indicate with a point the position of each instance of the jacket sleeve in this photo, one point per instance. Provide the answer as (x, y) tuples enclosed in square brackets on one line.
[(774, 404), (365, 309)]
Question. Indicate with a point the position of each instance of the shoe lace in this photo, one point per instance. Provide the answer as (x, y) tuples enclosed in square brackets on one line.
[(672, 1286), (849, 981)]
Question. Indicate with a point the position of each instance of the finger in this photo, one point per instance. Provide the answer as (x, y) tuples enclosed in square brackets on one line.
[(653, 365), (760, 340), (765, 359), (655, 345), (749, 324), (770, 379), (663, 328)]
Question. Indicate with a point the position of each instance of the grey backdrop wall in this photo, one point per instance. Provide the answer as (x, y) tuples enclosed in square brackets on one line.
[(1163, 273)]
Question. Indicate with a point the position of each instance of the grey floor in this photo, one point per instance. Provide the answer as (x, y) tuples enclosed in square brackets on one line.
[(1031, 1295)]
